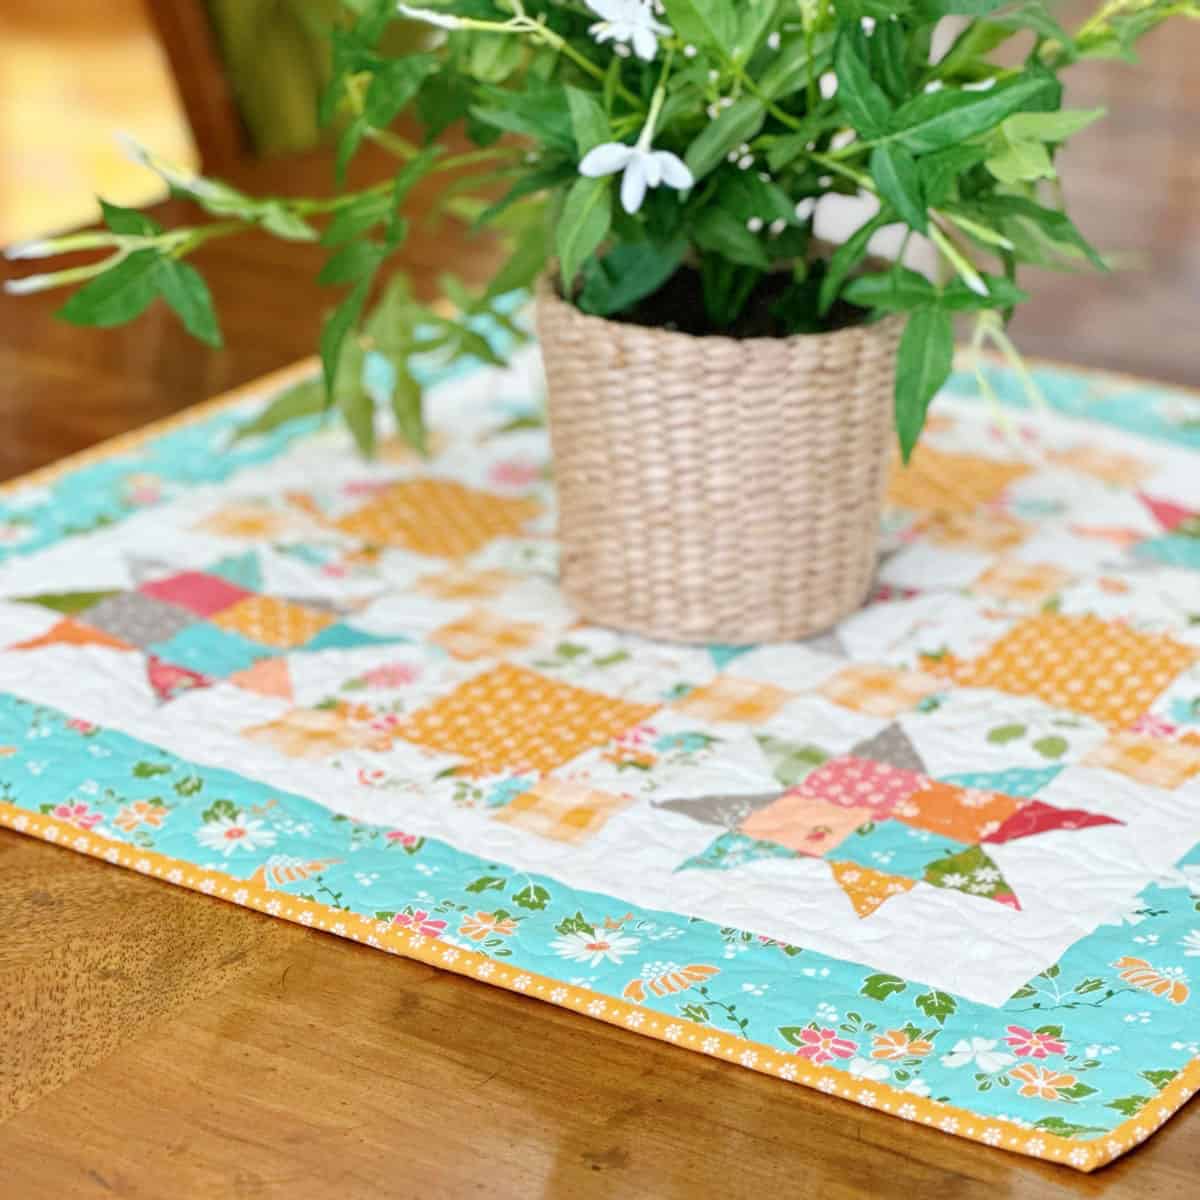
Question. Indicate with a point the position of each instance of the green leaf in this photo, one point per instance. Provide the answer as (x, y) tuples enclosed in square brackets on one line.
[(848, 255), (1084, 986), (1129, 1106), (880, 986), (895, 172), (710, 23), (1002, 293), (219, 810), (574, 924), (588, 120), (935, 120), (793, 1034), (533, 896), (585, 221), (184, 289), (1051, 747), (718, 230), (1158, 1079), (351, 263), (305, 399), (487, 883), (1021, 162), (923, 366), (940, 172), (894, 290), (128, 221), (408, 407), (354, 401), (627, 274), (524, 264), (937, 1006), (756, 18), (1054, 224), (1077, 1091), (395, 82), (1064, 1128), (335, 330), (865, 102), (123, 292), (1001, 735), (1051, 126), (735, 125), (149, 770)]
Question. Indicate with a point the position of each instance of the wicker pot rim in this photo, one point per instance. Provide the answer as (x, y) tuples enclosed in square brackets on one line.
[(548, 294)]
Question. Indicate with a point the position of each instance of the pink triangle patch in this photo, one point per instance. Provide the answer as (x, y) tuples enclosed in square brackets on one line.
[(170, 681), (268, 677), (1166, 512), (1038, 817)]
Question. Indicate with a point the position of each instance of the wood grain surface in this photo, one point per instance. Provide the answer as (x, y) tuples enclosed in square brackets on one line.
[(156, 1043)]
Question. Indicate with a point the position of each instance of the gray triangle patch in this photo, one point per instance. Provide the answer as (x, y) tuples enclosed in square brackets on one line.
[(726, 811), (891, 745), (143, 569)]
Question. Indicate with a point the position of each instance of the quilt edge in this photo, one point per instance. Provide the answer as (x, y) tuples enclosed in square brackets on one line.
[(1080, 1154)]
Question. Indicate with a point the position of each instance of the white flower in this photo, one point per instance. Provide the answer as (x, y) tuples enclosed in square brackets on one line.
[(594, 948), (1191, 943), (917, 1087), (237, 834), (981, 1051), (440, 19), (864, 1068), (642, 168), (629, 21)]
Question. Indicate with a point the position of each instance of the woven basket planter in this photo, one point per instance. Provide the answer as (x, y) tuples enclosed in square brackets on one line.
[(713, 489)]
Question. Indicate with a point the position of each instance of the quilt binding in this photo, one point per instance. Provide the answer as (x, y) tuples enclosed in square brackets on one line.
[(1083, 1155)]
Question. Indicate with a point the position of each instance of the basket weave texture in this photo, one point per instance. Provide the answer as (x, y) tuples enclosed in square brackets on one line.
[(714, 489)]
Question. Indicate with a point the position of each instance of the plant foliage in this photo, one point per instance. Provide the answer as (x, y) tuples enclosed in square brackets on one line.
[(625, 141)]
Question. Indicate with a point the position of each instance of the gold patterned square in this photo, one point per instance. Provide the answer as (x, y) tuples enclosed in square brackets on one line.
[(879, 691), (942, 481), (561, 810), (437, 517), (273, 621), (729, 699), (1157, 762), (481, 634), (1026, 583), (1102, 669), (511, 719)]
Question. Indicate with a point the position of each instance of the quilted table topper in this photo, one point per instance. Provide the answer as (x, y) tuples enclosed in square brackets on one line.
[(941, 861)]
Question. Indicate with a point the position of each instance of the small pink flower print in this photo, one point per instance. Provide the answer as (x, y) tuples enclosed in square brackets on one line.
[(335, 570), (515, 473), (75, 813), (391, 675), (364, 487), (81, 726), (420, 922), (143, 489), (371, 777), (1029, 1044), (822, 1046), (1153, 726), (399, 838)]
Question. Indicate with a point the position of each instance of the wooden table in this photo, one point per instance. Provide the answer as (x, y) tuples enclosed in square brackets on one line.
[(156, 1043)]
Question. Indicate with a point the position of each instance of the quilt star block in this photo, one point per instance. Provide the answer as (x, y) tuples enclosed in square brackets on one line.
[(273, 621), (804, 823)]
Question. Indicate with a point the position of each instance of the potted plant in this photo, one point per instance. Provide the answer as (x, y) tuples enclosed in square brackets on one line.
[(722, 387)]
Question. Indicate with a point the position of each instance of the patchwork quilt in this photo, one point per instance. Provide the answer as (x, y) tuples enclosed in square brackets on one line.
[(942, 861)]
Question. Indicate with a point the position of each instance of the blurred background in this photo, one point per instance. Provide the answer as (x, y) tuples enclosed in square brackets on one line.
[(228, 83)]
